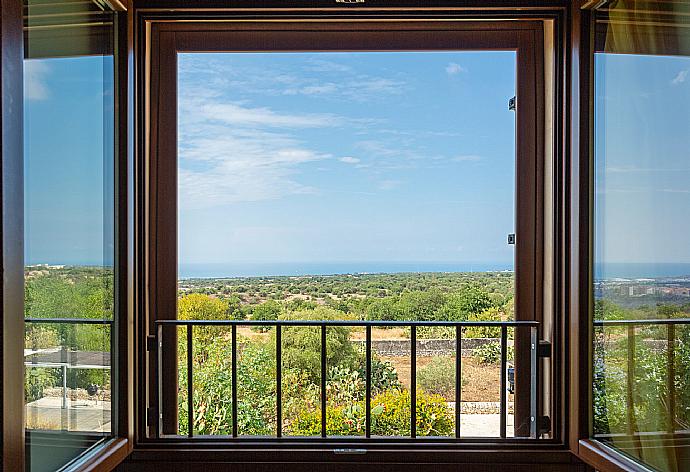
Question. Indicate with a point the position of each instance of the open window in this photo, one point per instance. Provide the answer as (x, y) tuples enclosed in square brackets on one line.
[(310, 190), (638, 316)]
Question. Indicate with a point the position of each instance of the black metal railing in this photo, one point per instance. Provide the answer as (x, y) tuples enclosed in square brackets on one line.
[(160, 348), (631, 327)]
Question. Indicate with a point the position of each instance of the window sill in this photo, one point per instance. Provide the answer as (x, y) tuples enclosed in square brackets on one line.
[(606, 459), (104, 458)]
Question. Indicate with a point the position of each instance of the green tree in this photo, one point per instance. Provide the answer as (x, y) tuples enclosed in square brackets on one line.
[(302, 344)]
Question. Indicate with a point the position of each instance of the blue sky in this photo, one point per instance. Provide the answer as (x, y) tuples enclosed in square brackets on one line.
[(642, 158), (346, 157), (68, 136), (391, 157)]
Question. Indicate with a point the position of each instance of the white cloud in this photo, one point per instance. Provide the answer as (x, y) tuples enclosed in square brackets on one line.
[(232, 152), (389, 184), (35, 75), (235, 114), (333, 80), (681, 77), (321, 89), (467, 158), (350, 160), (454, 68)]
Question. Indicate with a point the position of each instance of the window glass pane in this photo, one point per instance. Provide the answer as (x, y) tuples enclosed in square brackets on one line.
[(346, 186), (642, 235), (68, 130)]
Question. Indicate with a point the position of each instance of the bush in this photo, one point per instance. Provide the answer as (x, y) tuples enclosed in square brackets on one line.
[(37, 379), (471, 299), (390, 416), (267, 311), (383, 376), (490, 353), (302, 345), (438, 377)]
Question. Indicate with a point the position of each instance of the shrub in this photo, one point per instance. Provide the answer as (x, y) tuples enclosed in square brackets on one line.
[(37, 379), (302, 345), (390, 416), (471, 299), (266, 311), (383, 376), (490, 353), (344, 386), (438, 377)]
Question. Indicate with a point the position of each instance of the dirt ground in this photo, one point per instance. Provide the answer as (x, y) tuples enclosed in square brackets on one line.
[(481, 383)]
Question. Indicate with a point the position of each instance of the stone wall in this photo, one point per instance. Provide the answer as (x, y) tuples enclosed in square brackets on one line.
[(428, 347)]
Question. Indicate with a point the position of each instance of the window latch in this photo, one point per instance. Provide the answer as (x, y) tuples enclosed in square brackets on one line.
[(151, 343), (512, 103), (511, 238)]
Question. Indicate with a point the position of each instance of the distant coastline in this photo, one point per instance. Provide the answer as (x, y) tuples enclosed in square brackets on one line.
[(225, 270), (606, 271)]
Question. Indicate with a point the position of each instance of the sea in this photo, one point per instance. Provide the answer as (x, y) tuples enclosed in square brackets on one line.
[(263, 269), (602, 271)]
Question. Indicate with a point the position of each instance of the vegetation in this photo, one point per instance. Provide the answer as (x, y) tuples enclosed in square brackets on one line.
[(438, 377), (83, 292)]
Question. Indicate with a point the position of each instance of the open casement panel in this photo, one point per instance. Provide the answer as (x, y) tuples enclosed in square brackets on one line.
[(634, 141), (75, 131)]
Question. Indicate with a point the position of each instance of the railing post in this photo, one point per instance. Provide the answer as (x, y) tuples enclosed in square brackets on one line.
[(279, 382), (190, 385), (534, 342), (234, 379), (630, 380), (504, 361), (64, 387), (323, 380), (367, 395), (458, 378), (671, 376), (159, 380), (413, 381)]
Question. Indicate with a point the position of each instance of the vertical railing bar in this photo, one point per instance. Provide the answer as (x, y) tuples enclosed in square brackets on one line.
[(458, 378), (234, 380), (630, 398), (279, 382), (533, 432), (671, 376), (630, 379), (190, 385), (367, 395), (504, 360), (159, 373), (323, 380), (413, 381)]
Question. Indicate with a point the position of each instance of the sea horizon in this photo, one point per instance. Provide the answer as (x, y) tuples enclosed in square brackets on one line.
[(222, 270)]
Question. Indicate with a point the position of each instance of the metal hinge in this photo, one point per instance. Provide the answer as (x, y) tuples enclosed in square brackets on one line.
[(151, 343), (544, 349), (512, 104), (511, 238)]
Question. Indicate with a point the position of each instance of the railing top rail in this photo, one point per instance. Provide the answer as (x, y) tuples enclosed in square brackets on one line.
[(667, 321), (343, 323), (92, 321)]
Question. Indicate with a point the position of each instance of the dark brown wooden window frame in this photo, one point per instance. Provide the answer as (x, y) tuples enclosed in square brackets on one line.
[(588, 38), (159, 196)]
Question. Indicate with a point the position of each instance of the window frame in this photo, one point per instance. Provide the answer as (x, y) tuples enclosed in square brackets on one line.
[(587, 39), (158, 184)]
